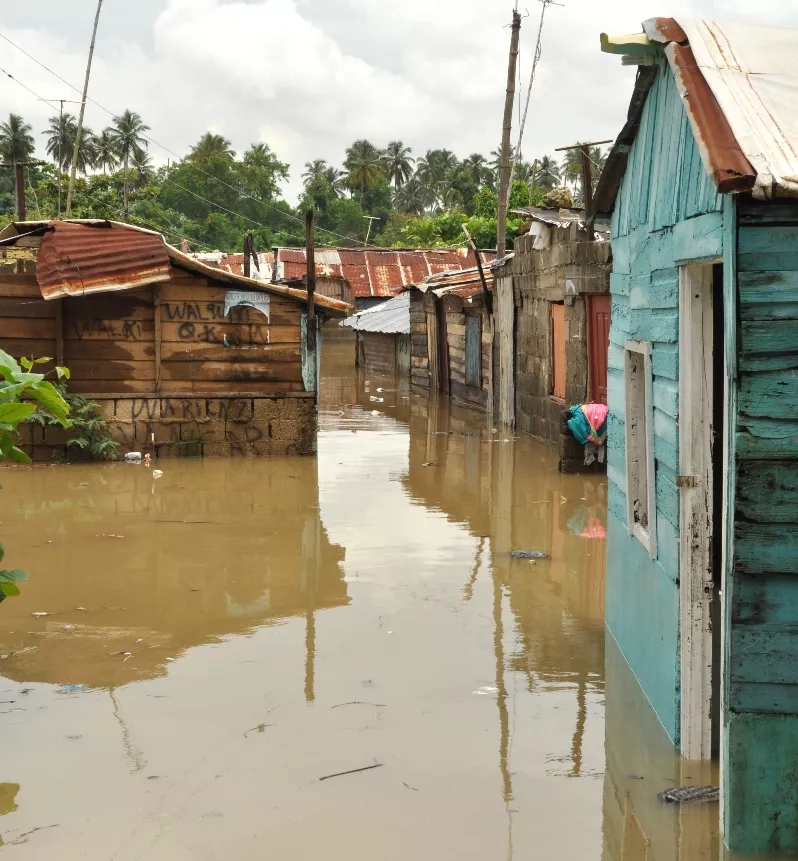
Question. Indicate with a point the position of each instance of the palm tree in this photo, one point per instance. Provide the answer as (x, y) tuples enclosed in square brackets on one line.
[(398, 163), (314, 170), (548, 173), (129, 138), (435, 172), (572, 167), (142, 164), (476, 166), (16, 140), (211, 146), (496, 159), (599, 159), (62, 131), (363, 164), (105, 152), (336, 179), (412, 197)]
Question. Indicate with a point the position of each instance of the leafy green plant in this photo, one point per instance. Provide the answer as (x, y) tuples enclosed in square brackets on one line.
[(18, 382), (89, 430)]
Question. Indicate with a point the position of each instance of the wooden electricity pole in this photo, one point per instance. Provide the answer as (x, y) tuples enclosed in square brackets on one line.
[(504, 175), (79, 133), (310, 256)]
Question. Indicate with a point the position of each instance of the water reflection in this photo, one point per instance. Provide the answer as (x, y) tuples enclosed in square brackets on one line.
[(129, 573)]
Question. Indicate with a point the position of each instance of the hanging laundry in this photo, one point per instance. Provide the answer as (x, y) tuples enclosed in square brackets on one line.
[(588, 423)]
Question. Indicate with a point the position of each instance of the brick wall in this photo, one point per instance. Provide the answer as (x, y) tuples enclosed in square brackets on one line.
[(196, 427)]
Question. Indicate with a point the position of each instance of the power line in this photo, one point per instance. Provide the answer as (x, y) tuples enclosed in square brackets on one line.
[(172, 152)]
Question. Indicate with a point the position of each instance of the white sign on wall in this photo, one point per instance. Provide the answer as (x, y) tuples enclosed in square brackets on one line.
[(249, 298)]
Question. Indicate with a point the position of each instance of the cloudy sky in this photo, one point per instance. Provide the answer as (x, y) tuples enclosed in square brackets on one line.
[(310, 76)]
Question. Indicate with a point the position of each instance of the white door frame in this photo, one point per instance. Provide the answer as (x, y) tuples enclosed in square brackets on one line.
[(696, 507)]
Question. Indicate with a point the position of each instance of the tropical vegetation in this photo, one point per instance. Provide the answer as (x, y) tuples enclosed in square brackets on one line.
[(215, 195)]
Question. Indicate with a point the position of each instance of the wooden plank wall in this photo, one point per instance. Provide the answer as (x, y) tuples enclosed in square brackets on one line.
[(457, 314), (27, 322), (170, 338), (764, 617)]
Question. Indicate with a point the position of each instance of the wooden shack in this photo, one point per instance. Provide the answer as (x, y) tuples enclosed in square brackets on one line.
[(382, 337), (451, 337), (553, 313), (184, 359), (702, 593)]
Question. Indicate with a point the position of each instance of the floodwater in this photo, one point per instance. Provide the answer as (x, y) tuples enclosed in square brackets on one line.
[(222, 644)]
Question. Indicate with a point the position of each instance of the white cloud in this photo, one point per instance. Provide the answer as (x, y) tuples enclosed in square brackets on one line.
[(310, 76)]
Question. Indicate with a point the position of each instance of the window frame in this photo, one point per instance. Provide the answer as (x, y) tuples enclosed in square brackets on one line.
[(647, 537)]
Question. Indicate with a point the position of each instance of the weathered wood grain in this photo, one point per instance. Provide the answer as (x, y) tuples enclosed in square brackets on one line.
[(766, 439), (192, 352), (767, 492), (232, 371), (236, 334), (27, 307), (770, 394), (771, 336), (34, 328), (89, 369), (767, 548), (103, 351)]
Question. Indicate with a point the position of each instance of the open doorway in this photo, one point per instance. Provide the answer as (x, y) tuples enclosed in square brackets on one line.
[(701, 440)]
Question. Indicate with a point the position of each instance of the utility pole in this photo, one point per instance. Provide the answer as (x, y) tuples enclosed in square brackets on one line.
[(250, 255), (504, 176), (587, 181), (82, 112), (371, 219), (310, 257)]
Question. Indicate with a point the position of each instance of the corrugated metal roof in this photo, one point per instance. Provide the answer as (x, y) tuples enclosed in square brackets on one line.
[(79, 259), (740, 89), (376, 272), (390, 318)]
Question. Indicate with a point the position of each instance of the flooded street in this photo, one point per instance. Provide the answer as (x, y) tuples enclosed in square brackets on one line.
[(223, 644)]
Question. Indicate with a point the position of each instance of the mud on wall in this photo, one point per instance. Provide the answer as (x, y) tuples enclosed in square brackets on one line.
[(196, 427)]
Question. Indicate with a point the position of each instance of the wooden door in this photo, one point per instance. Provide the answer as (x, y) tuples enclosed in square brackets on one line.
[(433, 353), (443, 344), (473, 352), (598, 340), (558, 350), (505, 326)]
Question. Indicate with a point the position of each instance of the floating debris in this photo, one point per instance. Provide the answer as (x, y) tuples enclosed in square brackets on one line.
[(353, 771), (690, 795), (529, 554)]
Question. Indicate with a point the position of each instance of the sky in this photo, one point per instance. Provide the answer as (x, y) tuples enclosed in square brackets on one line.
[(308, 77)]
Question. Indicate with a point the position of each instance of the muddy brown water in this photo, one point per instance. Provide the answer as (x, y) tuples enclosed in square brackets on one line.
[(219, 640)]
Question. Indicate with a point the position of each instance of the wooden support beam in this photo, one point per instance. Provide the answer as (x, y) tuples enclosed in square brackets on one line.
[(156, 295), (310, 255), (59, 332)]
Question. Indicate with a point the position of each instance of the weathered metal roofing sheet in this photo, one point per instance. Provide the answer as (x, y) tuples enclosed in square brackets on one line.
[(375, 272), (390, 318), (78, 259), (740, 89)]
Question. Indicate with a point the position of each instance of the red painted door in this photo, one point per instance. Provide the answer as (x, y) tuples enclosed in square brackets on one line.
[(599, 315), (558, 348)]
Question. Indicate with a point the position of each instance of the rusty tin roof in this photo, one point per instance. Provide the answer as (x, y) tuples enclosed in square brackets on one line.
[(740, 89)]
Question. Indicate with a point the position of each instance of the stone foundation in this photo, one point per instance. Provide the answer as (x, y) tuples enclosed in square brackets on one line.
[(195, 427)]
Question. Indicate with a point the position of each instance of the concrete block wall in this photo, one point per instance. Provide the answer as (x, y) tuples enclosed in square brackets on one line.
[(539, 278), (195, 427)]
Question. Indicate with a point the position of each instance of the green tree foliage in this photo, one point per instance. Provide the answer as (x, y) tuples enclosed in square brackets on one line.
[(61, 134)]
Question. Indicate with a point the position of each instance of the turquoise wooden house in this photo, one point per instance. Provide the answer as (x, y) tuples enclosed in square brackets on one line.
[(702, 185)]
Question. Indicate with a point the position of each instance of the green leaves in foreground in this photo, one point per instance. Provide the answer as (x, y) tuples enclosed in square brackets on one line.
[(9, 580)]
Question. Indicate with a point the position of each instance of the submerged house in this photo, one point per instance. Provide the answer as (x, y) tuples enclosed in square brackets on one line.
[(183, 358), (382, 337), (451, 336), (552, 327), (703, 395)]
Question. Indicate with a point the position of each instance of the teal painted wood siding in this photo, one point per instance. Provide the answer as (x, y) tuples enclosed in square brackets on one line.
[(763, 646), (667, 212)]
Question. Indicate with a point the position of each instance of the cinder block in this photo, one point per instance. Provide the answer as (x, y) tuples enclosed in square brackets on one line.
[(216, 449), (236, 432), (56, 435), (229, 409), (183, 409), (165, 433), (265, 410)]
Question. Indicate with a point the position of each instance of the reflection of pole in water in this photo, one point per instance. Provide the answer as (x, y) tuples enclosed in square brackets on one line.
[(468, 592), (310, 570), (310, 653), (134, 753), (581, 720), (501, 687)]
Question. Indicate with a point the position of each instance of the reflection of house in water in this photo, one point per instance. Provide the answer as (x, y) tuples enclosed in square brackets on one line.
[(213, 549), (512, 496)]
